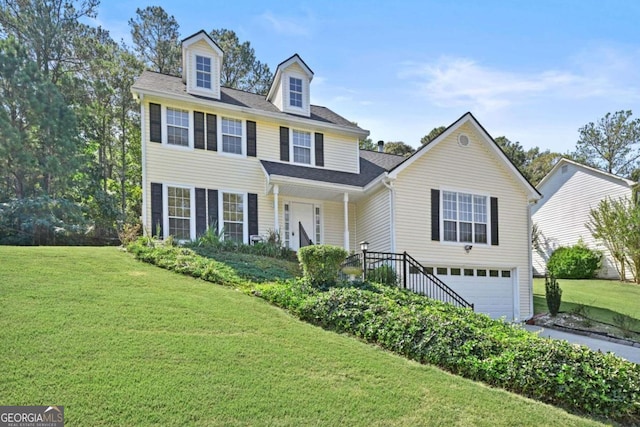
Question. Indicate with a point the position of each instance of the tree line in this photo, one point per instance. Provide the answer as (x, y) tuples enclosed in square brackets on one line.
[(70, 151), (70, 148)]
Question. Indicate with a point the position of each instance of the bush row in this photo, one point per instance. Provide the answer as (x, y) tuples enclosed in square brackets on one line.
[(471, 345)]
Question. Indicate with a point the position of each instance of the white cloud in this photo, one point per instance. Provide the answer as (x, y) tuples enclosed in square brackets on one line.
[(462, 82), (285, 25)]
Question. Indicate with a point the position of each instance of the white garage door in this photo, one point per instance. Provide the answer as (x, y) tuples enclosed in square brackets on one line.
[(490, 290)]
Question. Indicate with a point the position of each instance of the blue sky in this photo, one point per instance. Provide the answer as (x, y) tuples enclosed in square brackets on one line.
[(533, 71)]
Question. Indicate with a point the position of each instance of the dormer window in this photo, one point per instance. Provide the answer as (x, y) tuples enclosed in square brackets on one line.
[(295, 92), (301, 147), (203, 72)]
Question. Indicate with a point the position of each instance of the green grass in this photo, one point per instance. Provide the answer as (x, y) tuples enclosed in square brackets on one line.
[(603, 298), (120, 342)]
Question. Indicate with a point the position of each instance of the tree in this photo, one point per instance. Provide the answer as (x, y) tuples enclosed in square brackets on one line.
[(38, 145), (399, 148), (241, 70), (49, 31), (156, 39), (606, 224), (539, 164), (435, 132), (612, 143), (514, 151), (367, 144)]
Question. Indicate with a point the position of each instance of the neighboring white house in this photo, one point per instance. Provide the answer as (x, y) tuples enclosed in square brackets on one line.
[(249, 164), (570, 190)]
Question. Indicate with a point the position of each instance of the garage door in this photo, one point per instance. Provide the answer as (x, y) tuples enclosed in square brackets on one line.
[(490, 290)]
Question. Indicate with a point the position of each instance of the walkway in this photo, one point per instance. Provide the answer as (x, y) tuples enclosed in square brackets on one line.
[(625, 351)]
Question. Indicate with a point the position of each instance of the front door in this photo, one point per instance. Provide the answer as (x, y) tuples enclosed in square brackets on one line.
[(301, 214)]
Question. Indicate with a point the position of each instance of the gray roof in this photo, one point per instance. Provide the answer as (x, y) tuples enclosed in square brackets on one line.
[(372, 165), (384, 160), (172, 85)]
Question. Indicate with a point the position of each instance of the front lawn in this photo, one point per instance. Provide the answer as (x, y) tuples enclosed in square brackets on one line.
[(603, 298), (119, 342)]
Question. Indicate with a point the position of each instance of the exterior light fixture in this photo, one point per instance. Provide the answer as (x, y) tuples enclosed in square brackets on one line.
[(364, 245), (468, 248)]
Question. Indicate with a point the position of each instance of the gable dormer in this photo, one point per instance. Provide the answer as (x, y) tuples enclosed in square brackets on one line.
[(290, 89), (201, 65)]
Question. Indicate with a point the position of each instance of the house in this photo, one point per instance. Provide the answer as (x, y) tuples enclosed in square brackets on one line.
[(250, 164), (570, 191)]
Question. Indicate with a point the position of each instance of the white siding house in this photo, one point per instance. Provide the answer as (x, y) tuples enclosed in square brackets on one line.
[(248, 164), (570, 190)]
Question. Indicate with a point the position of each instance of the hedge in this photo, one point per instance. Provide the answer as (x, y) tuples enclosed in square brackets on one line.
[(472, 345)]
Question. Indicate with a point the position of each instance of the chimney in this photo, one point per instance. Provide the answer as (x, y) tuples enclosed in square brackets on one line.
[(380, 146)]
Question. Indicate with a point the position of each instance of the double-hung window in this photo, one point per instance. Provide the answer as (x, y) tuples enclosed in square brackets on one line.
[(233, 216), (203, 72), (179, 212), (177, 127), (301, 147), (231, 136), (295, 92), (464, 217)]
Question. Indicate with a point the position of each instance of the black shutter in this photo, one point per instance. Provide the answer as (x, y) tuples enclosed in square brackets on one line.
[(319, 149), (198, 129), (284, 144), (251, 138), (201, 211), (212, 133), (435, 214), (212, 208), (155, 123), (253, 214), (494, 221), (156, 210)]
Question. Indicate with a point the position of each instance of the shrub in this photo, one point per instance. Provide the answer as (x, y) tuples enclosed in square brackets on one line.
[(384, 274), (321, 263), (471, 345), (626, 323), (575, 262), (553, 294), (129, 233)]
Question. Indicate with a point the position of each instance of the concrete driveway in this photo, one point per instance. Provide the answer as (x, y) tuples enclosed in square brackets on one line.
[(625, 351)]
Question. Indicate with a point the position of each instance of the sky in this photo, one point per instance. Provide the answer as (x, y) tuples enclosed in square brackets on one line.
[(533, 71)]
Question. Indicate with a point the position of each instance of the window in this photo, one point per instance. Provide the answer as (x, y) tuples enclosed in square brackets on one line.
[(464, 217), (442, 271), (468, 271), (481, 273), (179, 212), (301, 147), (295, 92), (231, 136), (286, 226), (455, 271), (177, 127), (203, 72), (317, 224), (233, 216)]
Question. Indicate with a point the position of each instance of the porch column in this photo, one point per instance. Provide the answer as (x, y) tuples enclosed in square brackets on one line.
[(276, 222), (346, 221)]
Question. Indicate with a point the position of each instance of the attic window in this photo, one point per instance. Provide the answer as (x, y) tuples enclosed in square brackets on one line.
[(203, 72), (295, 92)]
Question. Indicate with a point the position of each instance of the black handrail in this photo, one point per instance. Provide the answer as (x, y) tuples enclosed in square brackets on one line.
[(401, 269), (304, 237)]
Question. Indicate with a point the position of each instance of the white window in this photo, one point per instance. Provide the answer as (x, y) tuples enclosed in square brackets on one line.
[(301, 147), (317, 225), (231, 136), (203, 72), (177, 127), (464, 217), (179, 212), (295, 92), (287, 225), (233, 216)]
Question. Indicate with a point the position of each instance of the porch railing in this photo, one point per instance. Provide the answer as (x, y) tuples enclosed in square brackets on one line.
[(404, 271), (304, 237)]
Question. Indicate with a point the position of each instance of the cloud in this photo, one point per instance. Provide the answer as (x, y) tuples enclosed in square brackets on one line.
[(463, 82), (285, 25)]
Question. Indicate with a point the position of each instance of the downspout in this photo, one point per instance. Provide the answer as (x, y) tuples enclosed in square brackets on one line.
[(143, 143), (388, 182), (530, 267)]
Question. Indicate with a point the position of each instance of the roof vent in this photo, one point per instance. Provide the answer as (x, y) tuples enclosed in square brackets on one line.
[(463, 140), (564, 168)]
